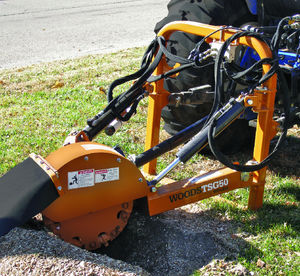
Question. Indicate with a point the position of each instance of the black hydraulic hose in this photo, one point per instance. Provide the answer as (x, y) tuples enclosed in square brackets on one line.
[(249, 168), (171, 72), (237, 76), (231, 111), (199, 44), (225, 116), (122, 102), (277, 36), (146, 60), (218, 92), (177, 70), (169, 144), (172, 57)]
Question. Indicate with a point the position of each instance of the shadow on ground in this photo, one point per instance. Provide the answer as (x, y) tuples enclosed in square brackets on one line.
[(173, 243), (287, 161)]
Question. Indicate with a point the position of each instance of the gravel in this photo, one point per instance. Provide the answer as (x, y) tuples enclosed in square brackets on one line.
[(177, 242), (31, 252)]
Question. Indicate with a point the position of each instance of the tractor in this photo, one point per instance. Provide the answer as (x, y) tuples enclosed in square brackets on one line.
[(244, 13)]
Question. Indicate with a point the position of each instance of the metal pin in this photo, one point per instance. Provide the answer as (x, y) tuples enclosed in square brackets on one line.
[(153, 189), (250, 102), (164, 172), (245, 176)]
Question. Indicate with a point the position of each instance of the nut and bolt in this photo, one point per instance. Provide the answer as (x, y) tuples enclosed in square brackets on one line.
[(86, 158), (251, 163), (59, 188), (140, 179), (245, 176), (119, 160), (250, 102), (153, 189)]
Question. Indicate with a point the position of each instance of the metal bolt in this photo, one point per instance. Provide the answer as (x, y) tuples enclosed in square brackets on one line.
[(119, 160), (251, 163), (59, 188), (261, 88), (153, 189), (250, 102), (245, 176), (86, 158), (140, 179), (57, 227)]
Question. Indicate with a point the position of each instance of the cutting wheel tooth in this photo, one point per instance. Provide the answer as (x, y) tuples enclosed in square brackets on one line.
[(93, 245), (115, 232), (77, 241), (123, 215), (103, 239)]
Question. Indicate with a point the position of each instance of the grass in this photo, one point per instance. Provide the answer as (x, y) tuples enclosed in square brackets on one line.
[(40, 105), (271, 233)]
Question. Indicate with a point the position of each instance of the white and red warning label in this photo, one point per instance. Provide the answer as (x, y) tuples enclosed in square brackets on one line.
[(81, 179), (104, 175)]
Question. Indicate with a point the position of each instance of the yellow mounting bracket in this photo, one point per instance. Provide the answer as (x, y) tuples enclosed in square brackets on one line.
[(263, 102)]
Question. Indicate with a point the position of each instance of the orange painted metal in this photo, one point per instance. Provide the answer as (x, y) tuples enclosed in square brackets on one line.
[(196, 188), (92, 230), (157, 100), (263, 104), (92, 215), (88, 156)]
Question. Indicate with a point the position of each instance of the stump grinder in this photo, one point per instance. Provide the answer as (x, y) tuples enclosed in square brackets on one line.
[(86, 190)]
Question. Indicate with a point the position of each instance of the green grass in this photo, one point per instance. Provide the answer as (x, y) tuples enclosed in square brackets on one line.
[(272, 232), (40, 105), (36, 117)]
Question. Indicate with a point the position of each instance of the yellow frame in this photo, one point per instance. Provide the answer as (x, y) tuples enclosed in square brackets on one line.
[(263, 104)]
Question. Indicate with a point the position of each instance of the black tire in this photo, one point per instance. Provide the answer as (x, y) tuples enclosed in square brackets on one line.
[(214, 12), (279, 8)]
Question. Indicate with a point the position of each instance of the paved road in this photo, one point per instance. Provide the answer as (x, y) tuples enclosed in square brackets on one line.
[(34, 31)]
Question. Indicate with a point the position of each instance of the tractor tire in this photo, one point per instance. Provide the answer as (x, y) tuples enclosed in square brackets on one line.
[(214, 12)]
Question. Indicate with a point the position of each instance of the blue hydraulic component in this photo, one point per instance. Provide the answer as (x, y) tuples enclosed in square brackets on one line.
[(252, 6), (290, 59), (249, 57), (248, 114)]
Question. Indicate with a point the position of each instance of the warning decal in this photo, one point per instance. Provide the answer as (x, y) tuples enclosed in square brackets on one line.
[(81, 179), (104, 175)]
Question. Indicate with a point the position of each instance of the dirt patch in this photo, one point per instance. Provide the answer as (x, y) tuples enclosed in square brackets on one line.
[(177, 242)]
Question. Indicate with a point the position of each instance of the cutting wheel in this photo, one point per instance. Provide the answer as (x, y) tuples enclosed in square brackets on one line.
[(92, 230)]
